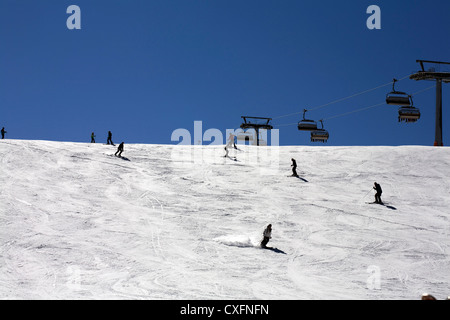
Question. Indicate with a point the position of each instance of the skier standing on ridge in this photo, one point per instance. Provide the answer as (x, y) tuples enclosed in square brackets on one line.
[(92, 137), (3, 133), (119, 150), (377, 187), (109, 141), (294, 168), (267, 236)]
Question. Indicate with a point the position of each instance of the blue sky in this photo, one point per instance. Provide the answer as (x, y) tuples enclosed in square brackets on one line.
[(144, 68)]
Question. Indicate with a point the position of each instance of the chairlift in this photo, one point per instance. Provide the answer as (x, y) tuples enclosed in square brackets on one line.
[(398, 98), (320, 135), (409, 113), (307, 125)]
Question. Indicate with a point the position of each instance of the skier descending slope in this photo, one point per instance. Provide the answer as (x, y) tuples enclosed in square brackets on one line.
[(227, 153), (119, 150), (294, 168), (267, 236), (377, 187)]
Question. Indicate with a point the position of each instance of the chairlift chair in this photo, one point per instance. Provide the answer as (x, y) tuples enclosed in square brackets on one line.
[(398, 98), (307, 125), (320, 135), (409, 113)]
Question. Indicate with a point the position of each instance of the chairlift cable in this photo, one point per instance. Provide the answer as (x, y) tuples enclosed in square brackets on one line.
[(374, 106), (355, 111), (342, 99)]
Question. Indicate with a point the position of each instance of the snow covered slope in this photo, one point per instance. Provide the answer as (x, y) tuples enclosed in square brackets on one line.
[(181, 222)]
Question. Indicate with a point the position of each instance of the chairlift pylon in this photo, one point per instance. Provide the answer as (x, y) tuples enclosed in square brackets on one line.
[(245, 136), (257, 124)]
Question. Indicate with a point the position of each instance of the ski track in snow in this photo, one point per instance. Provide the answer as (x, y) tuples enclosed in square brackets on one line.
[(182, 222)]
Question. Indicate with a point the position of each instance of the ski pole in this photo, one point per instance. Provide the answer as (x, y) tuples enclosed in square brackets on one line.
[(366, 194)]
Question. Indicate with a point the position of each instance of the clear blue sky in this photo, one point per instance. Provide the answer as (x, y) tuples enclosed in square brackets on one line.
[(143, 68)]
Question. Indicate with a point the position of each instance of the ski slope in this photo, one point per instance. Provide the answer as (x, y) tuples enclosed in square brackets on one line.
[(183, 222)]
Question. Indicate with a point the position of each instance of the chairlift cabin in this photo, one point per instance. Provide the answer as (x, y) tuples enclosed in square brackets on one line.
[(320, 135), (307, 125), (398, 98), (408, 114)]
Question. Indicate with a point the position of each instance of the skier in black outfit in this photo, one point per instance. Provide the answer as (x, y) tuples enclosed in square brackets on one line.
[(377, 187), (109, 141), (226, 151), (267, 236), (119, 150), (3, 133), (294, 168), (92, 137)]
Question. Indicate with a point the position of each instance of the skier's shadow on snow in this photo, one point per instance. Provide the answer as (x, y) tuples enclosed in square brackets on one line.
[(123, 158), (300, 178), (276, 250), (384, 205)]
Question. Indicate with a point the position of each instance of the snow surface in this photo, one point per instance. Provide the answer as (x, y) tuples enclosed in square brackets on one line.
[(183, 222)]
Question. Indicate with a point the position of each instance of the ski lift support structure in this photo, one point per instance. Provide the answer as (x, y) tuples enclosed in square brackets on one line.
[(440, 77), (260, 123)]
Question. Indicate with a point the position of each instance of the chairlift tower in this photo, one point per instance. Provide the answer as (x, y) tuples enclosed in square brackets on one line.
[(256, 123), (440, 76)]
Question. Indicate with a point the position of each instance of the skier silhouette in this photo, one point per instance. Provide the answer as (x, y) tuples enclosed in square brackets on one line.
[(267, 236), (119, 150), (92, 137), (226, 152), (294, 168), (3, 133), (109, 141), (377, 187)]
